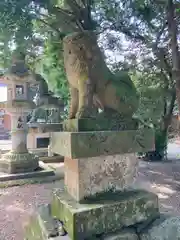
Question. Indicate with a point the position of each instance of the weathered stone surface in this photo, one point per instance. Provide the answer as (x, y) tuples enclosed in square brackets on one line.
[(39, 173), (94, 144), (126, 234), (110, 213), (44, 127), (12, 162), (107, 90), (49, 225), (165, 228), (42, 226), (90, 124), (85, 177)]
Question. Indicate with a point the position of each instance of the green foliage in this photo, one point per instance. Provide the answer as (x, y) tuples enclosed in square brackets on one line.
[(26, 23), (51, 67), (153, 97)]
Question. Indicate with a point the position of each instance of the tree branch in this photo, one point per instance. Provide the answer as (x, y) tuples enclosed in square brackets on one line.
[(49, 25), (161, 55), (159, 36)]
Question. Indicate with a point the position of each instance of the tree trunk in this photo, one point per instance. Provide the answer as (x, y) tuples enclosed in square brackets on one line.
[(172, 28), (161, 134)]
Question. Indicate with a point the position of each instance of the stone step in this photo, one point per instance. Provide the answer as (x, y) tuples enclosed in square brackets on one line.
[(105, 213), (45, 224), (50, 228)]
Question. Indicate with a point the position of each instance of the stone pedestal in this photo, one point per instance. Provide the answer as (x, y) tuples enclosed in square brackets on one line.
[(13, 162), (99, 172), (101, 143), (40, 131), (98, 200), (103, 215), (19, 160), (90, 124), (86, 177)]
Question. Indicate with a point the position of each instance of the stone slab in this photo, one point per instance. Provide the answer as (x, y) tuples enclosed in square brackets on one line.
[(40, 152), (93, 144), (45, 127), (83, 125), (43, 226), (32, 180), (108, 214), (38, 173), (53, 159), (87, 177), (12, 162)]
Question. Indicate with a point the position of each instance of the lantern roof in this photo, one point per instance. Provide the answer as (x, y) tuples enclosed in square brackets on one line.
[(19, 70)]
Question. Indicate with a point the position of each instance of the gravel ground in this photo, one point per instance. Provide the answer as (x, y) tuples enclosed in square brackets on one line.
[(164, 180), (18, 203)]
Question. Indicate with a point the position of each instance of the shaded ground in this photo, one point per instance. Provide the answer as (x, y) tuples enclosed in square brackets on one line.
[(164, 180), (17, 203)]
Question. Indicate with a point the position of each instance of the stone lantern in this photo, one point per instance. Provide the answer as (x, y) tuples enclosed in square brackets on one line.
[(18, 105)]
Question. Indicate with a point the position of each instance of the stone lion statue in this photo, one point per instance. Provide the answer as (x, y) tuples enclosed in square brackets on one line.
[(92, 83)]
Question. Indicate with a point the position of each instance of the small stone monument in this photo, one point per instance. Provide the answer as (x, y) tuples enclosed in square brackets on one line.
[(18, 105), (45, 117), (48, 108)]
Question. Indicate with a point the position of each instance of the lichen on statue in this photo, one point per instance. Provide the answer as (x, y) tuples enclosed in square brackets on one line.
[(92, 83)]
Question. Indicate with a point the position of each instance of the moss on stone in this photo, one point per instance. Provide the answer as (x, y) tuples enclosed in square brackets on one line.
[(104, 215), (97, 143), (21, 182), (102, 123)]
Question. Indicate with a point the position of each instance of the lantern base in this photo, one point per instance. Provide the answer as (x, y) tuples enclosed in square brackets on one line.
[(13, 162)]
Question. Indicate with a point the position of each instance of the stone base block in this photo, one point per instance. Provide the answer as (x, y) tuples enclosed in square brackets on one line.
[(44, 127), (110, 213), (98, 143), (86, 177), (12, 162), (43, 226), (83, 125)]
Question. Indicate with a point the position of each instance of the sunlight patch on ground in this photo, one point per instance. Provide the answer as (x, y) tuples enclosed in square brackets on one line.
[(162, 196), (163, 188), (14, 208), (167, 207), (155, 172), (163, 191)]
